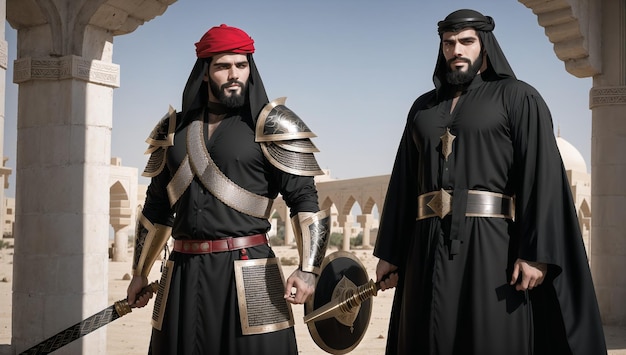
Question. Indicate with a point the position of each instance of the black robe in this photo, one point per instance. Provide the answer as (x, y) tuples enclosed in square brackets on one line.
[(452, 301), (201, 314)]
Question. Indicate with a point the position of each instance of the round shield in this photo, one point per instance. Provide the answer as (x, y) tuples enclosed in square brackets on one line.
[(341, 274)]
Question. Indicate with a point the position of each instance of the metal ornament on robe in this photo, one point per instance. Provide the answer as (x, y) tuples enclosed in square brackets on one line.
[(446, 143), (88, 325), (339, 312), (441, 203)]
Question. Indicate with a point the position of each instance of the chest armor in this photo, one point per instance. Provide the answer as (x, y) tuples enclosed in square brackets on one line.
[(284, 140)]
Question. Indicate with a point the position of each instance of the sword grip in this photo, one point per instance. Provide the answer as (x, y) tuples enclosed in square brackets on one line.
[(122, 307), (385, 277)]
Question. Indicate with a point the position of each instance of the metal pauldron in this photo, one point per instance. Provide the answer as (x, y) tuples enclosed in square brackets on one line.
[(286, 140), (160, 139), (312, 236), (149, 242)]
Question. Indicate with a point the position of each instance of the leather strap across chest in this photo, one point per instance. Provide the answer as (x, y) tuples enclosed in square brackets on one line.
[(198, 162)]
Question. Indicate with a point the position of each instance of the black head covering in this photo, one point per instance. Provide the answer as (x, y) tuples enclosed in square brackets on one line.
[(196, 95), (498, 67)]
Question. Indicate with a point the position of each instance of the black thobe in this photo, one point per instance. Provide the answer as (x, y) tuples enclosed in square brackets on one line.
[(458, 300), (201, 315)]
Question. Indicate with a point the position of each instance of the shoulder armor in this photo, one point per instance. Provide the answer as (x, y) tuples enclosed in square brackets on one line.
[(284, 140), (161, 138)]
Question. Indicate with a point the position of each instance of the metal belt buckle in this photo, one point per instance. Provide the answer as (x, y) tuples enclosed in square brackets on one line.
[(441, 203)]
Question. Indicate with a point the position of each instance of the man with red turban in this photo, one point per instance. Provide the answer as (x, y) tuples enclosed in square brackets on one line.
[(215, 169)]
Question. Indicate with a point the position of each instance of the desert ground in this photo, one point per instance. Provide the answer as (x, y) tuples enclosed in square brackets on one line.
[(130, 334)]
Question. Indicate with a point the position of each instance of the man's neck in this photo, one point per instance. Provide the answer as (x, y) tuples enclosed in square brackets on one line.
[(216, 108)]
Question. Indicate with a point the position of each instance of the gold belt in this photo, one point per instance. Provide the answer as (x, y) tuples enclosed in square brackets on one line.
[(479, 204)]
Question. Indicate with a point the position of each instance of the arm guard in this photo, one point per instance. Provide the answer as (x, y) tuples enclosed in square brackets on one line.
[(149, 242), (312, 236)]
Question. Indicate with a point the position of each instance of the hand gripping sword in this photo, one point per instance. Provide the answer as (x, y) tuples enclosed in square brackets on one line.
[(84, 327)]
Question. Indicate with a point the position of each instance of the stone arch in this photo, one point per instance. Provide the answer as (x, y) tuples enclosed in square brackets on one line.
[(369, 205), (585, 209), (573, 28), (120, 218), (119, 205), (327, 203)]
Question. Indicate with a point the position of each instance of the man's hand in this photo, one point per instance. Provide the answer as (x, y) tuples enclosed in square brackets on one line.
[(385, 275), (527, 274), (299, 287), (135, 286)]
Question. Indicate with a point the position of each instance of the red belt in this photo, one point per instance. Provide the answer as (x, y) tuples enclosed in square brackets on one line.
[(218, 245)]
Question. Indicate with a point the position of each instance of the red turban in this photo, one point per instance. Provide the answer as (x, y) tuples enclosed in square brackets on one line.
[(223, 38)]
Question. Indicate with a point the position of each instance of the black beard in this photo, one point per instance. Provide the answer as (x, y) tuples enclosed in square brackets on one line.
[(459, 77), (231, 101)]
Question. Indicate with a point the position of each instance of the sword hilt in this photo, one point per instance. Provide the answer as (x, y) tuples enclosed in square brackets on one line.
[(122, 307), (356, 297)]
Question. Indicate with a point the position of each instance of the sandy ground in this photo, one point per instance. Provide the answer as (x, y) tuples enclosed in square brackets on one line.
[(130, 334)]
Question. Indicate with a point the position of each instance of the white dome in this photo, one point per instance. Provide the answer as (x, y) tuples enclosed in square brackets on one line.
[(572, 159)]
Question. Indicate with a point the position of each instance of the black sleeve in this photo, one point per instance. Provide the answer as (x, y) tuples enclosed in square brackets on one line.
[(157, 206), (399, 211), (298, 192)]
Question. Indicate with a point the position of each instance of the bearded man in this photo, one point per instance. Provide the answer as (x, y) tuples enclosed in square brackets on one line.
[(479, 232), (215, 169)]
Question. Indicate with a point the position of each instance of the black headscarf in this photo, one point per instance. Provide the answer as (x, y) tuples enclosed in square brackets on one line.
[(196, 95), (497, 68)]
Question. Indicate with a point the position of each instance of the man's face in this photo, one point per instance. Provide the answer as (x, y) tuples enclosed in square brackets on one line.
[(463, 54), (228, 76)]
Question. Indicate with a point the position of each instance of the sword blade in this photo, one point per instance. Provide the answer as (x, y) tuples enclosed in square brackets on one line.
[(74, 332), (86, 326)]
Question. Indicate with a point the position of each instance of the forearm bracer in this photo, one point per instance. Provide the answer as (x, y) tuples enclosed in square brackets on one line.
[(149, 242), (312, 235)]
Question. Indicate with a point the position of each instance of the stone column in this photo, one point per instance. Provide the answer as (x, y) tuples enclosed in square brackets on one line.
[(366, 224), (66, 81), (4, 172), (62, 195), (608, 167), (346, 221), (120, 244)]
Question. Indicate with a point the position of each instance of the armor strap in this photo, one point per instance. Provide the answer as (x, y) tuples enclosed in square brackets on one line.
[(199, 163), (312, 236), (149, 242), (180, 181)]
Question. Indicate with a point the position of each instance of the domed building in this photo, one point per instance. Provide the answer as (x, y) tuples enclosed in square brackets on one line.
[(580, 183)]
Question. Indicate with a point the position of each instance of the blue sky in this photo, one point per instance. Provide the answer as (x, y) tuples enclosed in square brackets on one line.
[(349, 68)]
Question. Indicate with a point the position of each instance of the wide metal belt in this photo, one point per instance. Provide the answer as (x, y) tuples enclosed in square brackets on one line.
[(218, 245), (479, 204)]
